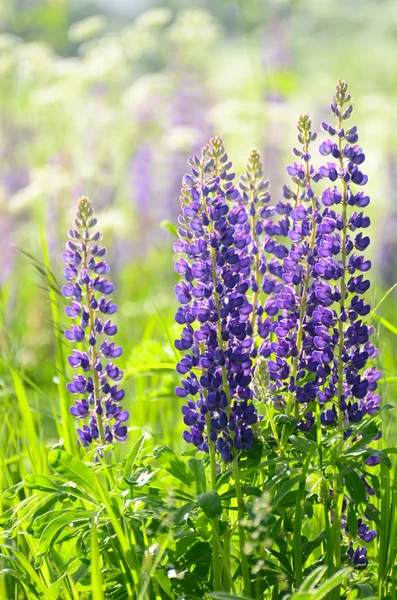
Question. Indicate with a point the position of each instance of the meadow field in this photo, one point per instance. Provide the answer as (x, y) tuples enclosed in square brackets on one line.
[(214, 417)]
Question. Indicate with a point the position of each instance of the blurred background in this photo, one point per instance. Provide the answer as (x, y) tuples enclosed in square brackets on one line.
[(108, 100)]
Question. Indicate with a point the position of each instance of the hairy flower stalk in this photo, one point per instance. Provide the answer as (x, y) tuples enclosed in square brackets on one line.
[(213, 296), (217, 336), (289, 275), (255, 195), (316, 341), (354, 390), (97, 384)]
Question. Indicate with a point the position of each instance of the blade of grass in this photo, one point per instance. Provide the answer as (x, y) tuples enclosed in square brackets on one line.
[(385, 323), (373, 311), (67, 430), (32, 439)]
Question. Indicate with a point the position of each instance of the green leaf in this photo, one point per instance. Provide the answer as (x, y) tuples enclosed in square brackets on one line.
[(389, 291), (331, 584), (6, 517), (182, 513), (365, 439), (74, 470), (132, 456), (59, 520), (197, 469), (173, 464), (282, 557), (210, 503), (24, 571), (364, 590), (302, 444), (169, 226), (247, 490), (355, 487), (29, 433), (313, 579), (41, 482), (286, 488), (12, 491), (311, 545), (226, 596), (308, 509)]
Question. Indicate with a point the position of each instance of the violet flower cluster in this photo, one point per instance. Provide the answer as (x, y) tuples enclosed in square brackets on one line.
[(317, 342), (315, 350), (97, 384), (254, 190), (293, 275), (217, 336)]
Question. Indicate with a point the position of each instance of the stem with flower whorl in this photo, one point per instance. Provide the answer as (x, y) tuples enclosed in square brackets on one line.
[(95, 377), (239, 495), (215, 238), (83, 273), (305, 136), (254, 192), (354, 391), (338, 487)]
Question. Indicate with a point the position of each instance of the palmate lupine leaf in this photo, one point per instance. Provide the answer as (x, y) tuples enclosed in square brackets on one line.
[(74, 470), (309, 590)]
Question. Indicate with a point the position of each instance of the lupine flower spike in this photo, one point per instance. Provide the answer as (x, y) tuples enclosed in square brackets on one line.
[(354, 387), (255, 196), (349, 395), (215, 311), (97, 384), (316, 339), (288, 280)]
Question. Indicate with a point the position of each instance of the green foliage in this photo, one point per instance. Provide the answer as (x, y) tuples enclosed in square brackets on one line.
[(76, 108)]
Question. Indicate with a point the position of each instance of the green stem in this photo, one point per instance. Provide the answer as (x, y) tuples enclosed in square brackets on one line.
[(240, 501), (302, 312), (229, 584), (216, 566), (226, 554), (241, 532), (273, 426), (328, 532), (338, 488), (298, 534)]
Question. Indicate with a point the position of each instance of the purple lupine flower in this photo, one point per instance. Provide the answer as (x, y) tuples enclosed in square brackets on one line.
[(288, 277), (255, 196), (351, 384), (99, 396), (316, 339), (358, 557), (214, 308), (314, 350)]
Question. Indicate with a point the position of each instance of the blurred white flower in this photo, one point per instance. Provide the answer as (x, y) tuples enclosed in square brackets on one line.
[(147, 90), (87, 29)]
